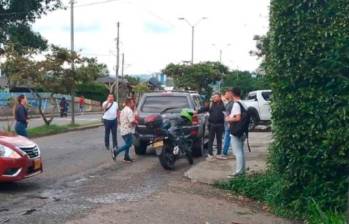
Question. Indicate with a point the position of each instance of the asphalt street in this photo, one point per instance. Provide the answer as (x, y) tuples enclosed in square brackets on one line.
[(81, 184)]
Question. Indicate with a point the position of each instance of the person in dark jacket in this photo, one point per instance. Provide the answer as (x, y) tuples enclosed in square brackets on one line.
[(21, 116), (63, 107), (216, 124)]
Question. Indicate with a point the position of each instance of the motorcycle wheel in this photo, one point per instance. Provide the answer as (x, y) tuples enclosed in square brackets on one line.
[(167, 159)]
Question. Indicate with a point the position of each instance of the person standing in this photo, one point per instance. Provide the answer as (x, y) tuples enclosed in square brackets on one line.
[(237, 141), (216, 124), (63, 107), (110, 108), (21, 116), (82, 103), (227, 132), (128, 122)]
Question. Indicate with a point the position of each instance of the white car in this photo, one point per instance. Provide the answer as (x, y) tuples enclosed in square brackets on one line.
[(258, 104)]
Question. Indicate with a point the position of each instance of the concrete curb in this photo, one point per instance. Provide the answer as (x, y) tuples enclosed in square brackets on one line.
[(82, 128), (4, 118)]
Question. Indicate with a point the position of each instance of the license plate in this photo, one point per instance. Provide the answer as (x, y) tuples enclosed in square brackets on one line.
[(37, 164), (158, 145)]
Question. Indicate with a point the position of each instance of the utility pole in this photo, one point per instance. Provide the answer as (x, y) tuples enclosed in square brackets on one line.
[(72, 64), (192, 43), (122, 65), (117, 62)]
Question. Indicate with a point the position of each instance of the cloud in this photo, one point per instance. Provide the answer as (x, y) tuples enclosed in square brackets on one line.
[(155, 27), (152, 36)]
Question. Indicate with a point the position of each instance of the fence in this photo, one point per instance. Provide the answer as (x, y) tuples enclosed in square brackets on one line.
[(6, 98)]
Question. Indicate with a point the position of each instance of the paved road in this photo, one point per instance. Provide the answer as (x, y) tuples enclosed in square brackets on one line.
[(80, 119), (81, 184)]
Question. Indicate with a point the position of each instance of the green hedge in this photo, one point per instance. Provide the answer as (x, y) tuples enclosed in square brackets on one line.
[(93, 91), (308, 63)]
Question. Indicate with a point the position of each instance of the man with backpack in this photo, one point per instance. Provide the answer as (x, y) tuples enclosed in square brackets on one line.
[(239, 120)]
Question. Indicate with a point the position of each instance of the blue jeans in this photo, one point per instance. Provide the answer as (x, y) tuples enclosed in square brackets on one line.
[(227, 140), (21, 129), (238, 149), (110, 127), (128, 143)]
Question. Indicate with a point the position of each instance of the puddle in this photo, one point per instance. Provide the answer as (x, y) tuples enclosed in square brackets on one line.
[(116, 197), (56, 195)]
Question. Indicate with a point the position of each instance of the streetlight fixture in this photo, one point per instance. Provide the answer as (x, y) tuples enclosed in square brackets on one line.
[(221, 50), (192, 25)]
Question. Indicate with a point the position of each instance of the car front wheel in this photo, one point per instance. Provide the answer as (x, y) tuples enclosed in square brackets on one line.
[(198, 147)]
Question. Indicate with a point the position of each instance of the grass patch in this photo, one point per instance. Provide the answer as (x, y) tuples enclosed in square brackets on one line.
[(260, 187), (50, 130)]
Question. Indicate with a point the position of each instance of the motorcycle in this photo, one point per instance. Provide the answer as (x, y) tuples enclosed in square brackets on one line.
[(173, 139)]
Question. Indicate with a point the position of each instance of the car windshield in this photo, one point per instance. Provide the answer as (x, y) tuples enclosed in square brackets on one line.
[(157, 104)]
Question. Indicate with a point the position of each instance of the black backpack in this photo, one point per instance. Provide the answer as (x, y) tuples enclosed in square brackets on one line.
[(242, 127)]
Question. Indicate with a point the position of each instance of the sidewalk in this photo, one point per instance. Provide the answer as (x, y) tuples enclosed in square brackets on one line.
[(209, 172)]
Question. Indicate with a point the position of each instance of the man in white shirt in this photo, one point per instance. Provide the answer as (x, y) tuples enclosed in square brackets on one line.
[(110, 108), (128, 123), (237, 142)]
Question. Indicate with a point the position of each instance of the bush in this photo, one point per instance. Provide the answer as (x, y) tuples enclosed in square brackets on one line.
[(254, 186), (308, 63)]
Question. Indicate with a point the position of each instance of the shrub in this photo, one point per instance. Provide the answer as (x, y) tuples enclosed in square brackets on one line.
[(93, 91), (308, 63)]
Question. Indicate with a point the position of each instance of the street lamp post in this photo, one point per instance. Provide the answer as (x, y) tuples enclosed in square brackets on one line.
[(221, 51), (192, 34)]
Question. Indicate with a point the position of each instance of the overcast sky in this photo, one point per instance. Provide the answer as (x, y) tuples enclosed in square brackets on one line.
[(152, 36)]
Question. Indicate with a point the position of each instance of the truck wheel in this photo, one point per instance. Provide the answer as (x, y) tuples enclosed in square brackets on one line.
[(254, 121), (198, 147), (140, 147)]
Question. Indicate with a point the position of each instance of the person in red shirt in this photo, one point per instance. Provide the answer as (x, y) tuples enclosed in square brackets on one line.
[(82, 104)]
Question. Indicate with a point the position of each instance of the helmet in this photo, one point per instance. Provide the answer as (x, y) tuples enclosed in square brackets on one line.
[(187, 114)]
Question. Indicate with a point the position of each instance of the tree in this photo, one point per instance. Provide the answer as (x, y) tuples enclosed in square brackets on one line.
[(53, 74), (246, 80), (196, 77), (132, 80), (16, 17)]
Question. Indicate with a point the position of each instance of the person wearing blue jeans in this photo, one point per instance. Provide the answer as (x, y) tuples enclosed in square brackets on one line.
[(127, 129), (229, 106), (21, 116), (128, 139), (227, 139)]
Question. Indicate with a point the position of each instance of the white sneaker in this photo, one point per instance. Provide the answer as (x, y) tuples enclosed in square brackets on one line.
[(209, 158), (221, 157)]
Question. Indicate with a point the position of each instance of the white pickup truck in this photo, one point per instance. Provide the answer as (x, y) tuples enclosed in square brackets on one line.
[(258, 104)]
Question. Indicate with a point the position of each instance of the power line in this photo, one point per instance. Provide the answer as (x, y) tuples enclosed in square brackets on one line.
[(96, 3)]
